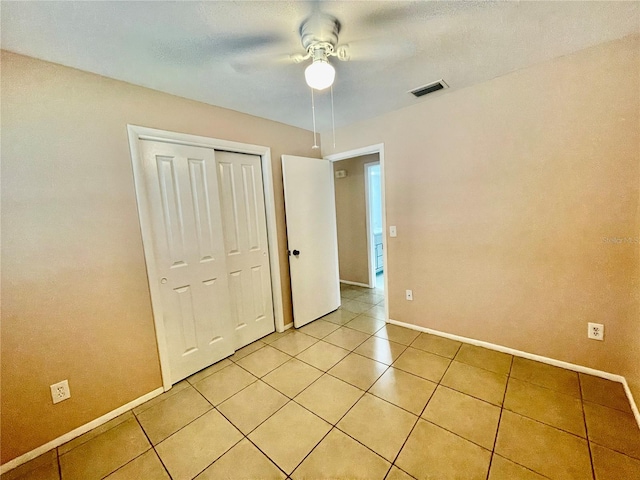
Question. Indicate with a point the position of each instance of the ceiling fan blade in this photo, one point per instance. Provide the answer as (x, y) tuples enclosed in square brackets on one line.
[(248, 64), (213, 48), (377, 49), (402, 13), (240, 43)]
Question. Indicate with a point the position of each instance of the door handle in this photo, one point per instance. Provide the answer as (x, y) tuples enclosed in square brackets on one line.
[(295, 253)]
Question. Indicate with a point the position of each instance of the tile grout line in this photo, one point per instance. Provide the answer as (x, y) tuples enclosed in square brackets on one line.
[(547, 388), (439, 383), (303, 350), (509, 377), (417, 421), (214, 408), (414, 426), (625, 412), (312, 383), (504, 397), (333, 376), (528, 418), (398, 468), (231, 362), (438, 426), (263, 421), (600, 444), (586, 428), (268, 372), (58, 462), (219, 456), (266, 456), (246, 436), (153, 447), (88, 440), (426, 404), (312, 449), (450, 431), (335, 426)]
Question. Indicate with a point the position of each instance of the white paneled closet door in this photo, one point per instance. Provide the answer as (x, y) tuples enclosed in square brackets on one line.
[(246, 248), (182, 188), (210, 251)]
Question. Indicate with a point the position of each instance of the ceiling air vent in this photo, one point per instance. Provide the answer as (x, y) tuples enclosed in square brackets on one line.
[(429, 88)]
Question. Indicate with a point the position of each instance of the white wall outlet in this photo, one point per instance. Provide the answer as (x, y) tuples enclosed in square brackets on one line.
[(409, 294), (392, 231), (596, 331), (60, 391)]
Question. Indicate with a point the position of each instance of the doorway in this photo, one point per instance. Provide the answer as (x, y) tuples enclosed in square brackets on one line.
[(359, 184), (359, 219)]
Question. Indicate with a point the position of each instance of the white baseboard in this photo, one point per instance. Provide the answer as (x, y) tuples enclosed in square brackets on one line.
[(16, 462), (532, 356), (357, 284)]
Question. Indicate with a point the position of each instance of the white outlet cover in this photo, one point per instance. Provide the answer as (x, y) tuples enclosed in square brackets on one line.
[(595, 331), (392, 231), (60, 391)]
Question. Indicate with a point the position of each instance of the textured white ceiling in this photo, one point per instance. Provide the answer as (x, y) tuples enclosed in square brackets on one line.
[(230, 53)]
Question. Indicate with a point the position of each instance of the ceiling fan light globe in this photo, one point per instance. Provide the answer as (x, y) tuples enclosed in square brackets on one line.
[(320, 74)]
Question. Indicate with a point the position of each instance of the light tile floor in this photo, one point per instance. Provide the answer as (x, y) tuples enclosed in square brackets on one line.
[(351, 397)]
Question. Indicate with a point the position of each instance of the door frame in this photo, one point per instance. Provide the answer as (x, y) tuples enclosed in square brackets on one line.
[(370, 236), (359, 152), (136, 134)]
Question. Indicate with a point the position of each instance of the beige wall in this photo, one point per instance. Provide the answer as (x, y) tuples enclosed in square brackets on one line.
[(502, 194), (75, 298), (351, 215)]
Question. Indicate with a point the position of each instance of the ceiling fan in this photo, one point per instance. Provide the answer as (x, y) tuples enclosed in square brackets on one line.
[(319, 37)]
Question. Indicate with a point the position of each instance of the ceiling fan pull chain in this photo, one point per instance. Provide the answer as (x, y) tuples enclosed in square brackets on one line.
[(333, 119), (313, 113)]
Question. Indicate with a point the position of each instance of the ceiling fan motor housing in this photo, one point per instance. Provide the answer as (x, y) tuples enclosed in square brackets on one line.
[(319, 29)]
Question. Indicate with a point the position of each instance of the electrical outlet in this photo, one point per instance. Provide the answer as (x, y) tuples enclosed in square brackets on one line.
[(595, 331), (60, 391), (409, 294)]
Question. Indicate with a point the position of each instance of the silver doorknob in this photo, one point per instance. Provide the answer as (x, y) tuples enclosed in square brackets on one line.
[(163, 280)]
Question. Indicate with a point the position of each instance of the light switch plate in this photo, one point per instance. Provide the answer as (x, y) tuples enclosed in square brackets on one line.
[(392, 231)]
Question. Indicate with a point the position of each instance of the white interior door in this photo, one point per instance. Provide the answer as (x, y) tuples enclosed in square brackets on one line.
[(182, 189), (246, 248), (312, 239)]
